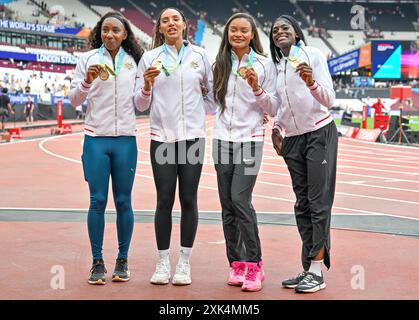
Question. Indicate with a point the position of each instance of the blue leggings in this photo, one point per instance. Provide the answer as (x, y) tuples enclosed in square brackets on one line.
[(103, 157)]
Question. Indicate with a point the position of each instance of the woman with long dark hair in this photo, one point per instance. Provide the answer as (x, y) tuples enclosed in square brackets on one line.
[(244, 87), (170, 82), (105, 76), (309, 147)]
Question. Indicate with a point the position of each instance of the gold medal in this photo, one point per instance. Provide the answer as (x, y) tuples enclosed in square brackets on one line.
[(158, 64), (294, 62), (242, 72), (103, 74)]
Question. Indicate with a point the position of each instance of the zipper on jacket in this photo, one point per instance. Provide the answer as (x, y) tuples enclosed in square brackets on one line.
[(116, 102), (232, 106), (286, 93), (182, 101)]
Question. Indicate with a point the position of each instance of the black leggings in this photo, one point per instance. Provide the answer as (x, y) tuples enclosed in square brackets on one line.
[(183, 159)]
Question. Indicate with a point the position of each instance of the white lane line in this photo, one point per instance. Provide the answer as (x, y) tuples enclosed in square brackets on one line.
[(376, 198), (413, 151), (357, 183), (41, 146), (381, 164), (373, 145), (201, 186), (34, 140), (259, 181), (364, 184), (338, 172), (376, 158), (378, 170)]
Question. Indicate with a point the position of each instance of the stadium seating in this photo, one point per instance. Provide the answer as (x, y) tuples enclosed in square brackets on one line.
[(27, 11), (75, 10)]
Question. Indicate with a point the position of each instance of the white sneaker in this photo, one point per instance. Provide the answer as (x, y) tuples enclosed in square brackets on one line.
[(162, 273), (182, 276)]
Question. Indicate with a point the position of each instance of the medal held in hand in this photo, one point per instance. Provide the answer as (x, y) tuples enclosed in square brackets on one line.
[(293, 61), (105, 69), (241, 72), (103, 73), (293, 56), (158, 64)]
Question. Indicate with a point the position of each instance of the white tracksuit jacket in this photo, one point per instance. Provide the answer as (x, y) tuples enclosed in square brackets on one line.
[(178, 107), (110, 110), (304, 109), (242, 120)]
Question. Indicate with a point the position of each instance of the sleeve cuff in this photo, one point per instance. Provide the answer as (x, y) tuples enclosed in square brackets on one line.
[(314, 86), (145, 94), (259, 92), (276, 126), (85, 86)]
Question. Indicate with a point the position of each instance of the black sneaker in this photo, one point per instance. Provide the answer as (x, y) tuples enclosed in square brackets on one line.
[(311, 283), (121, 273), (97, 272), (293, 282)]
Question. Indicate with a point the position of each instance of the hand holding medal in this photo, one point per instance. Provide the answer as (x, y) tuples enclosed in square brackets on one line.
[(158, 64), (92, 73), (293, 56), (105, 70), (306, 73), (103, 73), (242, 72), (252, 78), (151, 73)]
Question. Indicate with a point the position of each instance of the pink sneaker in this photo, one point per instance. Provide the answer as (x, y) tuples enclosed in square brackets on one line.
[(237, 270), (254, 277)]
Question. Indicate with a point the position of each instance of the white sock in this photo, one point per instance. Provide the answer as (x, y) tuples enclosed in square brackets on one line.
[(316, 267), (185, 253), (164, 254)]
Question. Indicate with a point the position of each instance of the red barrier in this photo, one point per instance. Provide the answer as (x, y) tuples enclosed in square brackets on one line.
[(67, 128), (355, 133), (368, 134), (364, 116), (381, 122), (60, 113), (15, 133)]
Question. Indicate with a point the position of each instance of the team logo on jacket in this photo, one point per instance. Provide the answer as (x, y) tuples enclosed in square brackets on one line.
[(194, 64), (128, 65)]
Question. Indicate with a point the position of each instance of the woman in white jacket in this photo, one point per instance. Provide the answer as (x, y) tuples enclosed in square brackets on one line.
[(309, 148), (244, 87), (170, 81), (105, 76)]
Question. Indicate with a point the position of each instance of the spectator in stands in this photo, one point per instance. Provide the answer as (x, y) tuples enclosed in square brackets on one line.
[(79, 112), (5, 108), (29, 108), (309, 148), (46, 88), (244, 85), (170, 80), (106, 76)]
